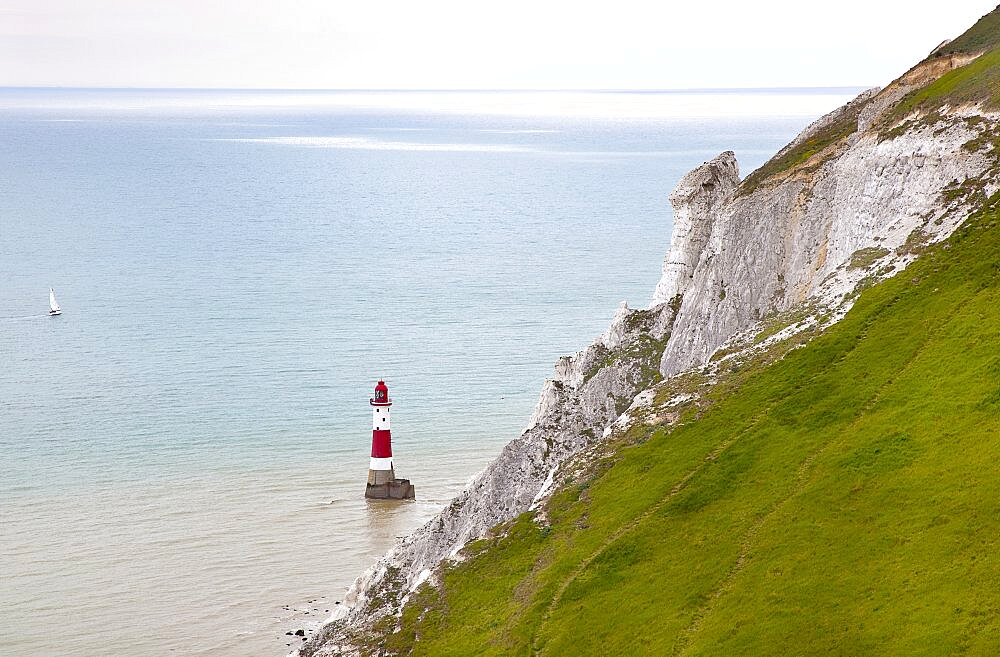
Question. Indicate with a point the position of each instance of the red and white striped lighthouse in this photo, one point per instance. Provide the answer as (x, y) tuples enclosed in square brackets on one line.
[(382, 482), (380, 471)]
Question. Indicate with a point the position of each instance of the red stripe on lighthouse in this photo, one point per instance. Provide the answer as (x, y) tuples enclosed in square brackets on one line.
[(381, 446)]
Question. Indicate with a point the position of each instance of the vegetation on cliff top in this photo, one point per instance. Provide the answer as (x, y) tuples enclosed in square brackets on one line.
[(975, 82), (984, 35), (834, 132), (840, 501)]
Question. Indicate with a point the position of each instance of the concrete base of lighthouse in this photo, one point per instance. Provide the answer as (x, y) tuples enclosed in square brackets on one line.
[(383, 485)]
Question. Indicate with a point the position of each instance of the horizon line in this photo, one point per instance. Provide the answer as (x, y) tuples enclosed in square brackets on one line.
[(634, 90)]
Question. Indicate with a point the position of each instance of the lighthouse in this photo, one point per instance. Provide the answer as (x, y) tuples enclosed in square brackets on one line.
[(382, 482)]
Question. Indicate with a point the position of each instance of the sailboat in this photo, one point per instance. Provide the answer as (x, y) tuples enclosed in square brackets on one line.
[(54, 308)]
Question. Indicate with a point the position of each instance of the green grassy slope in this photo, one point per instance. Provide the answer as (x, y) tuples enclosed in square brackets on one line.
[(985, 34), (976, 82), (843, 501)]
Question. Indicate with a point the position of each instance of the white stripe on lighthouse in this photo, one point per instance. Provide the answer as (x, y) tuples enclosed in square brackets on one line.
[(380, 418), (381, 464)]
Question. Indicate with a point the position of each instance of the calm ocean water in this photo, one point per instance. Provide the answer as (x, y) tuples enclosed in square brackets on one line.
[(183, 451)]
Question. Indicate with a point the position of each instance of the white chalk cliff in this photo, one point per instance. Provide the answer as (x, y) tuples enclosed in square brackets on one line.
[(802, 232), (739, 255)]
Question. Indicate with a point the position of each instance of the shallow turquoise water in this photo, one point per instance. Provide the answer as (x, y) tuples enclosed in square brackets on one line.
[(236, 271)]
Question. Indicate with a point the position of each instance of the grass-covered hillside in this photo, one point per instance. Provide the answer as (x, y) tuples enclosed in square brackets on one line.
[(844, 500), (976, 81), (982, 36)]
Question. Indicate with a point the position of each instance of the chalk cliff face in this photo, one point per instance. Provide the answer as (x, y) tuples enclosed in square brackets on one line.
[(739, 255), (850, 200)]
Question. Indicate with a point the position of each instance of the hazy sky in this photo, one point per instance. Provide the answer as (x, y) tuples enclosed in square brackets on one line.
[(463, 44)]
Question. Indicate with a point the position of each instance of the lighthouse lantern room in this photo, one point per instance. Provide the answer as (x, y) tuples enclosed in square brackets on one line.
[(382, 482)]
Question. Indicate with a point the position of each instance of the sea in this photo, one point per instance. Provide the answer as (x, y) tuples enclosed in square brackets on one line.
[(183, 451)]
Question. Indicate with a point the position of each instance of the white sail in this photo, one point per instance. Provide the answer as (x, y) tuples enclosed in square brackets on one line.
[(53, 306)]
